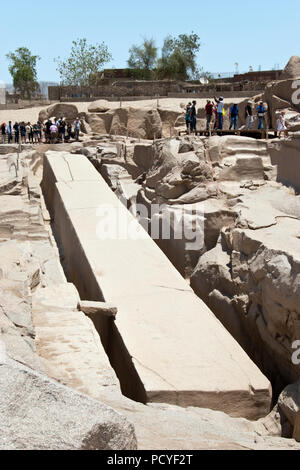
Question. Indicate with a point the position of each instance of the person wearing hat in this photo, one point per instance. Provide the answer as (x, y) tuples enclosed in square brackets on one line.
[(261, 114), (249, 115), (77, 126), (220, 108)]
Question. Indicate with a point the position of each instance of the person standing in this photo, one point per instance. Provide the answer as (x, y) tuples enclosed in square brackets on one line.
[(3, 132), (47, 131), (261, 115), (209, 114), (62, 130), (193, 117), (234, 115), (29, 131), (188, 116), (36, 135), (69, 129), (9, 132), (53, 133), (281, 127), (248, 115), (220, 110), (40, 128), (215, 112), (77, 125), (17, 132), (23, 132)]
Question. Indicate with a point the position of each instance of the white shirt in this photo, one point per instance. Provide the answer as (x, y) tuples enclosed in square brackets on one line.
[(220, 107)]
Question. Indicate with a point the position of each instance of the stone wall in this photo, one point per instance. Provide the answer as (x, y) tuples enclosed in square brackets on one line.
[(124, 88), (285, 154), (143, 88)]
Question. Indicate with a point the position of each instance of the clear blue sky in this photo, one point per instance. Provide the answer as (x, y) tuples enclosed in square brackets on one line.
[(254, 32)]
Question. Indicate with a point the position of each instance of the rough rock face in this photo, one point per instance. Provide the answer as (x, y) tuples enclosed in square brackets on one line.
[(181, 172), (227, 148), (292, 68), (283, 419), (6, 149), (99, 106), (141, 123), (282, 94), (285, 155), (132, 122), (55, 417), (169, 118), (100, 123), (250, 280), (236, 277)]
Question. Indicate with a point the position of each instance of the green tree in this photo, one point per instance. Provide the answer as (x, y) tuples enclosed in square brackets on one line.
[(178, 59), (144, 56), (84, 62), (23, 71)]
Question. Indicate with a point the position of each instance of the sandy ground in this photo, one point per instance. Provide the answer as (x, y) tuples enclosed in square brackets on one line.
[(31, 114)]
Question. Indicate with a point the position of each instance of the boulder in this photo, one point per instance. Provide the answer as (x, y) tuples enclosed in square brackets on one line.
[(171, 186), (165, 159), (292, 68), (289, 402), (99, 106), (135, 122), (68, 111), (180, 122), (6, 149), (143, 156), (197, 194), (43, 115), (37, 413), (287, 90), (113, 174), (284, 418), (244, 169), (170, 118), (195, 172), (226, 149), (100, 123), (188, 144)]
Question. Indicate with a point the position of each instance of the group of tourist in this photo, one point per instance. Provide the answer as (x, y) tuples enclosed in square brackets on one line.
[(58, 130), (21, 132), (215, 113), (61, 130)]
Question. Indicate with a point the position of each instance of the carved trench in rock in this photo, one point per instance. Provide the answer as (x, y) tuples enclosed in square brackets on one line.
[(175, 251)]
